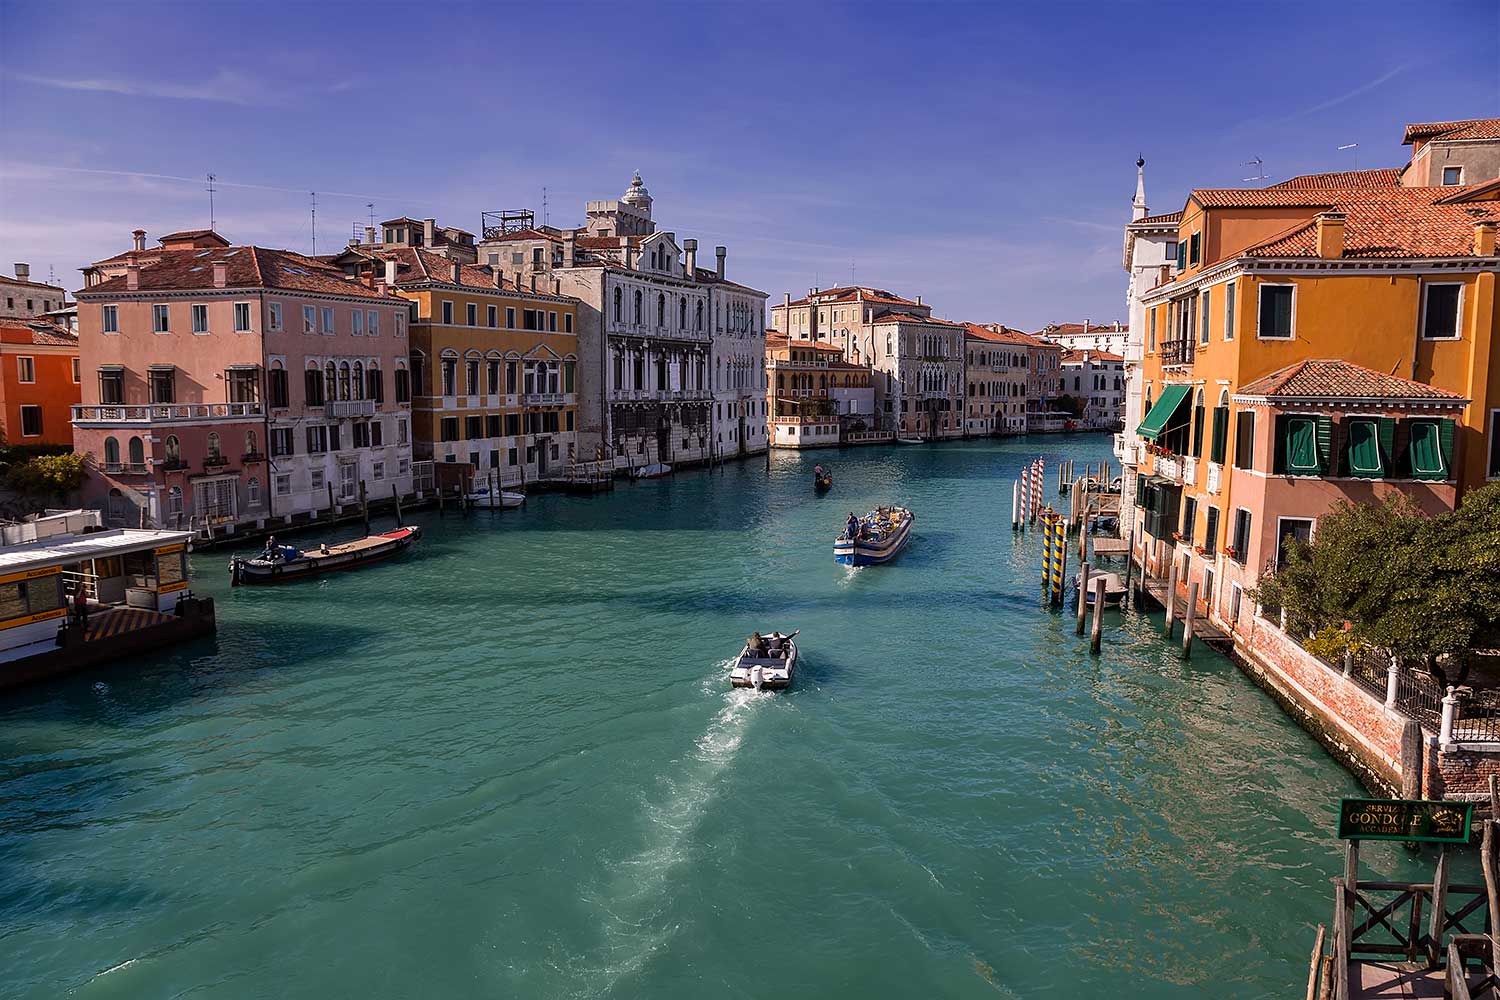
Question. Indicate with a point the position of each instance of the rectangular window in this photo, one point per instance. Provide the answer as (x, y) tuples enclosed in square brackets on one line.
[(161, 319), (1493, 471), (200, 319), (401, 439), (317, 439), (1172, 252), (377, 433), (243, 385), (1453, 176), (357, 323), (1429, 449), (492, 425), (242, 317), (491, 316), (1299, 441), (1211, 530), (1364, 458), (447, 312), (1275, 312), (1229, 311), (510, 457), (372, 323), (567, 322), (333, 437), (1218, 443), (111, 386), (162, 383), (1189, 518), (552, 322), (309, 319), (328, 328), (281, 442), (403, 385), (31, 421), (512, 425), (450, 429), (473, 428), (1244, 440), (471, 314), (317, 480), (109, 321), (1151, 346), (1241, 535), (510, 317), (77, 371), (274, 311), (1181, 256), (26, 369), (1195, 248), (360, 432), (1440, 311), (1203, 317), (283, 485), (1289, 530)]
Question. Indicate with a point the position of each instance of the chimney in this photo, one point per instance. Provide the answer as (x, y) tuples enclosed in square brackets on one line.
[(140, 239), (719, 253), (786, 304), (429, 232), (370, 234), (533, 282), (919, 300), (1330, 234), (390, 272), (456, 272), (690, 251), (570, 248), (556, 286), (1484, 238), (499, 278), (1085, 326), (133, 277), (221, 273), (629, 257), (23, 272)]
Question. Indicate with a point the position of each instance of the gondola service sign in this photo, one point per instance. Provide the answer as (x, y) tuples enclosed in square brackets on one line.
[(1405, 819)]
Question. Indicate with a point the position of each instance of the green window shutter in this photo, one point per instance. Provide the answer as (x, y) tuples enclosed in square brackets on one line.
[(1385, 429), (1445, 438), (1140, 490), (1299, 443), (1362, 456), (1221, 434), (1425, 451), (1324, 431), (1198, 432)]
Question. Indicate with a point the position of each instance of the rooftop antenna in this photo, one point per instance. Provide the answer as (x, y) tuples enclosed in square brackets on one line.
[(370, 205), (314, 195), (1354, 146), (851, 272), (545, 217), (1260, 169), (211, 179)]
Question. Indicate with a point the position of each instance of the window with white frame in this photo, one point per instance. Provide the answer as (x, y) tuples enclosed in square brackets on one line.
[(273, 316), (447, 311), (317, 480), (200, 318), (372, 323), (77, 371), (1277, 315), (1203, 316), (1453, 176), (161, 319), (31, 421), (242, 317), (252, 492), (1442, 305), (283, 484), (328, 328), (357, 323), (309, 319), (109, 320), (26, 369), (1229, 311)]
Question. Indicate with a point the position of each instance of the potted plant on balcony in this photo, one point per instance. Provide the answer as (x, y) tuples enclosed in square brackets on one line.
[(1231, 552), (1176, 536)]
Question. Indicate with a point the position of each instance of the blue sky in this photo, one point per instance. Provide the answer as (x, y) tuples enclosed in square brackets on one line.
[(977, 154)]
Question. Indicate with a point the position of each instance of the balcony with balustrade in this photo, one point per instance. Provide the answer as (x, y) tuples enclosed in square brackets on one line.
[(120, 414)]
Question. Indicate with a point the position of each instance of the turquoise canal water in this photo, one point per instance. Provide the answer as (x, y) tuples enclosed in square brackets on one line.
[(509, 765)]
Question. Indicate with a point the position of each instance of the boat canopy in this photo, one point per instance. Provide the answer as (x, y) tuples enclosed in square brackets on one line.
[(1172, 397)]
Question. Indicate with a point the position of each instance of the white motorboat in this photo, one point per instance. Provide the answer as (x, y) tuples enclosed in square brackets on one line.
[(503, 499), (1114, 588), (653, 471), (769, 668), (901, 440)]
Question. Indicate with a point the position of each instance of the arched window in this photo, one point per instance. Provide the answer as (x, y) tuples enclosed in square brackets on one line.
[(330, 382), (250, 444), (118, 505), (700, 317), (174, 450), (357, 381), (682, 313), (111, 452), (637, 305), (136, 449), (252, 492), (661, 310), (344, 380), (174, 504), (619, 306), (214, 449)]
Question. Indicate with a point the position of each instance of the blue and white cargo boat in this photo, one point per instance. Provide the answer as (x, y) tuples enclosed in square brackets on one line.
[(875, 538)]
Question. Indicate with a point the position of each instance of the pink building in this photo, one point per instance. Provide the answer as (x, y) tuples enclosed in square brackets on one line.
[(233, 385)]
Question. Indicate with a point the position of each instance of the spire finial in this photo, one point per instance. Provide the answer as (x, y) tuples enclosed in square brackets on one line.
[(1138, 206)]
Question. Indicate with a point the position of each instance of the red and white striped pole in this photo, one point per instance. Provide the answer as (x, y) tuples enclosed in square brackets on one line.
[(1036, 488), (1025, 494)]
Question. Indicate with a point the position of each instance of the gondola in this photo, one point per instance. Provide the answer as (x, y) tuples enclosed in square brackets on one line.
[(822, 480)]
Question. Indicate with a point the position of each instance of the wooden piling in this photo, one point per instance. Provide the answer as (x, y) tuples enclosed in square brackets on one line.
[(1083, 594), (1129, 563), (1189, 618), (333, 512), (440, 497), (1015, 505), (494, 491), (1491, 884), (1411, 760), (396, 499), (1083, 537), (1171, 598), (364, 505), (1096, 636), (1317, 960), (1439, 917)]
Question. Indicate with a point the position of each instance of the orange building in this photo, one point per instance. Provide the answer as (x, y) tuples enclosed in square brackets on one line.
[(1328, 338), (40, 383)]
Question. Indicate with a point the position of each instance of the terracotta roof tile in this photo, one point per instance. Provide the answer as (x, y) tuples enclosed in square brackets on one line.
[(1472, 128), (1159, 220), (1332, 378), (1382, 177), (1391, 223), (1003, 335), (44, 334), (1079, 357), (850, 293), (249, 267), (899, 317)]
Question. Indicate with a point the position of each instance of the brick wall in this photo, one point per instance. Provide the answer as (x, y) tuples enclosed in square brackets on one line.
[(1465, 774)]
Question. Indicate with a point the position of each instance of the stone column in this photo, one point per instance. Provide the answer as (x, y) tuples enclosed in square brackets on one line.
[(1393, 674), (1450, 706)]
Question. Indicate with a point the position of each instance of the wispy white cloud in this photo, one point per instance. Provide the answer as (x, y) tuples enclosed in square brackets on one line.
[(15, 170), (224, 86)]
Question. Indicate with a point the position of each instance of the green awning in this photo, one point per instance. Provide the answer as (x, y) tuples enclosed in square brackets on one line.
[(1172, 397)]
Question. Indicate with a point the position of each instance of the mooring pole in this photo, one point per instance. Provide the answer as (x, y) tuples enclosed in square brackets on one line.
[(1083, 594), (1187, 621), (364, 505), (1171, 597), (1015, 505), (1129, 563), (333, 514), (1096, 636), (396, 499)]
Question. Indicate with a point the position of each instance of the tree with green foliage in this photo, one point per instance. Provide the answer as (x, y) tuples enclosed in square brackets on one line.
[(46, 477), (1389, 576)]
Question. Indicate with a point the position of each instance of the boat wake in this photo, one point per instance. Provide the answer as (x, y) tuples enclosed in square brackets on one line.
[(635, 910)]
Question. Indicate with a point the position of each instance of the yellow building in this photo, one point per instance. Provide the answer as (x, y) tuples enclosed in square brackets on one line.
[(494, 365), (1329, 338)]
